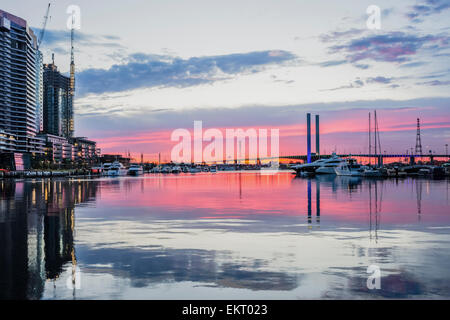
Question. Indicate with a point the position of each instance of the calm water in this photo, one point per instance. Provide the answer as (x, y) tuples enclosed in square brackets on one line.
[(223, 236)]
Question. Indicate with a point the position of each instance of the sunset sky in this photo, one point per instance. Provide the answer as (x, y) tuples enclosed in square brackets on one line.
[(145, 68)]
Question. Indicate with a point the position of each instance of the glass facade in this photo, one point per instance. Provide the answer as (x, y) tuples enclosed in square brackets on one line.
[(20, 83)]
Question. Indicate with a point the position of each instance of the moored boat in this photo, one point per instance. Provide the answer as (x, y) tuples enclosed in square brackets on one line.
[(117, 169), (350, 168), (135, 170)]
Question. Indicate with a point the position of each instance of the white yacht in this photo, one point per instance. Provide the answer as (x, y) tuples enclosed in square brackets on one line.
[(309, 167), (135, 170), (195, 170), (329, 165), (166, 169), (350, 168), (176, 169), (117, 169), (105, 168)]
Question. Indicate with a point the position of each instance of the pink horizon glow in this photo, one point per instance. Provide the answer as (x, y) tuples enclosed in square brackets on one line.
[(336, 127)]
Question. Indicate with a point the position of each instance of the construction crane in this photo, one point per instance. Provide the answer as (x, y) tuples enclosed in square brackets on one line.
[(44, 25)]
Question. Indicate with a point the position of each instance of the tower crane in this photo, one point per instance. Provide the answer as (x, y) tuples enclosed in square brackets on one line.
[(41, 34)]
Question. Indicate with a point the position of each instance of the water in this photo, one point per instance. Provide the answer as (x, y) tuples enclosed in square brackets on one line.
[(224, 236)]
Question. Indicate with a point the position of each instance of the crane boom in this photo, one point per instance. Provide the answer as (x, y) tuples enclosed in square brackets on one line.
[(41, 34)]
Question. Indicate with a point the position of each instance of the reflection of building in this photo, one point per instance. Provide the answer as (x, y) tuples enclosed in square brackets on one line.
[(36, 241), (20, 84)]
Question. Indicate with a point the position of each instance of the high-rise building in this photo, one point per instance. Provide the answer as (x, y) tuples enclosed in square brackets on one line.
[(39, 92), (20, 85), (57, 102)]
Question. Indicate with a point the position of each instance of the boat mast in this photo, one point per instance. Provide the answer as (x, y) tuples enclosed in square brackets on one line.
[(370, 138), (376, 150)]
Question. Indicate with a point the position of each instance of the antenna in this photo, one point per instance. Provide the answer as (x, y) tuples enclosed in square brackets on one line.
[(418, 139), (44, 25)]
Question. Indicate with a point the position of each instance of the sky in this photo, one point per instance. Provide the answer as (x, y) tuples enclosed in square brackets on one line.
[(145, 68)]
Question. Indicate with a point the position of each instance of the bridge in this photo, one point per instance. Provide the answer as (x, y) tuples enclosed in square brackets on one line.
[(379, 157)]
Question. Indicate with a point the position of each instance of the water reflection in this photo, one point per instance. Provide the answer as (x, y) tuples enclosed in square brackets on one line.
[(230, 235), (36, 233)]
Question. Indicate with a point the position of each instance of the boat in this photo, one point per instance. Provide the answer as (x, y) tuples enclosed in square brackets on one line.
[(329, 165), (166, 169), (308, 167), (350, 168), (156, 169), (372, 173), (434, 171), (213, 169), (135, 170), (321, 166), (117, 169), (176, 169), (402, 174), (424, 171), (105, 168), (446, 168), (194, 170)]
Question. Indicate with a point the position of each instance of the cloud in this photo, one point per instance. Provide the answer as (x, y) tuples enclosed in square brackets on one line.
[(379, 80), (332, 63), (435, 83), (427, 8), (361, 66), (390, 47), (147, 70), (58, 37), (413, 64), (358, 83), (335, 35)]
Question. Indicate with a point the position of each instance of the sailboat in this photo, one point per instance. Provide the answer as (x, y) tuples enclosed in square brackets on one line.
[(373, 172)]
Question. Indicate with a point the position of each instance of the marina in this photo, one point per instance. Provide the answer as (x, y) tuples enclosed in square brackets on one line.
[(212, 152)]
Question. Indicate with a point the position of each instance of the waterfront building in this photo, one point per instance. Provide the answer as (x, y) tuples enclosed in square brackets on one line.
[(36, 102), (58, 103), (20, 84), (57, 148), (108, 158), (84, 150), (39, 91), (7, 142)]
